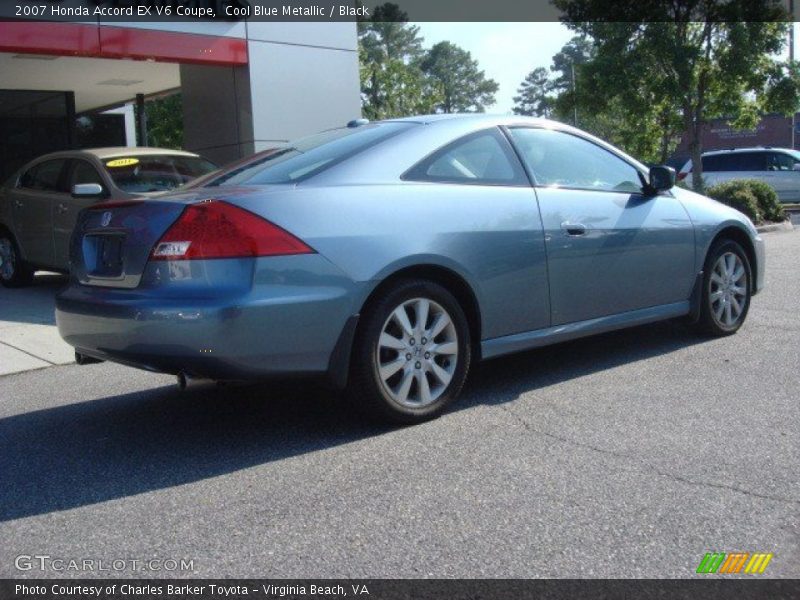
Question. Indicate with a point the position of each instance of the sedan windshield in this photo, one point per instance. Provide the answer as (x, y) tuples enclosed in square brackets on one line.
[(308, 156), (155, 172)]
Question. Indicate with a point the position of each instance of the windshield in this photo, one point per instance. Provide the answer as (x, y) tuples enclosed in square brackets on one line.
[(155, 172), (308, 156)]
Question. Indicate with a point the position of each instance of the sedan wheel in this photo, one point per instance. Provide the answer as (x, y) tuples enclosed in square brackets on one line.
[(412, 353), (727, 284), (13, 272)]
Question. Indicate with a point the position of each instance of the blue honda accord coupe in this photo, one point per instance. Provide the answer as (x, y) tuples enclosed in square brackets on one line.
[(390, 256)]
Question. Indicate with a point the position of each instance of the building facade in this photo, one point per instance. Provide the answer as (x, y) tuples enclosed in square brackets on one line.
[(245, 85), (772, 130)]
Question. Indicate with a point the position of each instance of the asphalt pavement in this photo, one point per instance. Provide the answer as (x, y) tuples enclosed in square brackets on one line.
[(630, 454)]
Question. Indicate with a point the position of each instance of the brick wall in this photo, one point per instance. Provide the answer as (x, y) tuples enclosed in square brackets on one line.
[(773, 130)]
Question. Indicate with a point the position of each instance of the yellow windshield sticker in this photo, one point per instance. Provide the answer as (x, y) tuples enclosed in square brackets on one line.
[(122, 162)]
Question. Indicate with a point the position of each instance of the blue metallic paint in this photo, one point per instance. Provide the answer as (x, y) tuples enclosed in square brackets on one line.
[(534, 285)]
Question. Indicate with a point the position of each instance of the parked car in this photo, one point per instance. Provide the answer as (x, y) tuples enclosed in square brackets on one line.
[(40, 203), (391, 256), (778, 167)]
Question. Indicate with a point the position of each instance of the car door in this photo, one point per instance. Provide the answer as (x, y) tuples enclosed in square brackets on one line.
[(610, 248), (65, 212), (494, 227), (32, 202), (755, 165), (784, 179), (718, 168)]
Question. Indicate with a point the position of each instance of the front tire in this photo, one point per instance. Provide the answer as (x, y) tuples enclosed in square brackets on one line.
[(412, 353), (727, 287), (13, 270)]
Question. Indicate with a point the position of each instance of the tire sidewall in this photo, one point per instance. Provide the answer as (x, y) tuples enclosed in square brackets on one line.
[(375, 318), (707, 317), (21, 275)]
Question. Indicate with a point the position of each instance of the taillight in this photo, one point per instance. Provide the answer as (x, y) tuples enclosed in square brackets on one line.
[(216, 229), (682, 175)]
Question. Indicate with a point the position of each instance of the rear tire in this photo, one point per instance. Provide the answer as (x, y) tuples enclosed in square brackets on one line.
[(727, 287), (14, 272), (412, 353)]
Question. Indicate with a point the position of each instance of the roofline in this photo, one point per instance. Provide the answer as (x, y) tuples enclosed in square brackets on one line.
[(747, 149), (115, 152)]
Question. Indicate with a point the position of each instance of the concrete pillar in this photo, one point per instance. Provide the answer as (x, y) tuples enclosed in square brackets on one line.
[(300, 78), (217, 112), (141, 121), (304, 78)]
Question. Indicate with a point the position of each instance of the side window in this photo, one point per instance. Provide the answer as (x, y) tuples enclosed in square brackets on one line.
[(719, 162), (559, 159), (45, 177), (28, 177), (84, 172), (752, 161), (484, 157), (777, 161)]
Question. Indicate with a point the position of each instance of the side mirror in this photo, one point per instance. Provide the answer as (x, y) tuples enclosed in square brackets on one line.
[(662, 178), (88, 190)]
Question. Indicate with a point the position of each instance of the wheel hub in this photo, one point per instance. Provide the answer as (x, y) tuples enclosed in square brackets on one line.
[(417, 352), (728, 289)]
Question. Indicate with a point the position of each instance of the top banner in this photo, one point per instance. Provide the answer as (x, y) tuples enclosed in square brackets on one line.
[(128, 11)]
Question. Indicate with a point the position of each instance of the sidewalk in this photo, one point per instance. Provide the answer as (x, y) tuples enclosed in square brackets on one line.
[(28, 336)]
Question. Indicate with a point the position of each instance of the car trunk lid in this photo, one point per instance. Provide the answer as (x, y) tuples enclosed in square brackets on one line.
[(112, 241)]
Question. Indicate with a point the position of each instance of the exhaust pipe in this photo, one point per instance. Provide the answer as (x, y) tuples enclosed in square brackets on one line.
[(182, 380), (83, 359)]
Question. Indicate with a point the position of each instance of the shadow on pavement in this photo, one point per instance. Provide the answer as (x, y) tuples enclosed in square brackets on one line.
[(34, 303), (117, 446)]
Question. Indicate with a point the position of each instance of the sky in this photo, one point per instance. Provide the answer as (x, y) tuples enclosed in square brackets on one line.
[(507, 52)]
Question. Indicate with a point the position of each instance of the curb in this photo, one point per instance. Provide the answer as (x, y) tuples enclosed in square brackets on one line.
[(784, 226)]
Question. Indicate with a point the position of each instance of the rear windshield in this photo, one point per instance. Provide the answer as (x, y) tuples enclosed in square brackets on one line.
[(155, 172), (308, 156)]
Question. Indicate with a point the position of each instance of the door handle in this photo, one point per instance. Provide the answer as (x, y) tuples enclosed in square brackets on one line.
[(573, 228), (62, 208), (17, 204)]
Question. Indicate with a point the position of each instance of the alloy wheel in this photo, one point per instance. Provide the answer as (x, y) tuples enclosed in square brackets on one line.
[(728, 289), (417, 352)]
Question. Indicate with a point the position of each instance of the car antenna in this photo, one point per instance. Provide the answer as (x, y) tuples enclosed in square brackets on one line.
[(357, 123)]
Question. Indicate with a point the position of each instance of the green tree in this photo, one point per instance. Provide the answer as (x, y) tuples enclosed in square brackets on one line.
[(534, 97), (577, 51), (684, 62), (165, 122), (455, 75), (392, 84)]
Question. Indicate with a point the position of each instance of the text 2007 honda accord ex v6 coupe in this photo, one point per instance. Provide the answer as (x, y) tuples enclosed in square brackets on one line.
[(390, 256)]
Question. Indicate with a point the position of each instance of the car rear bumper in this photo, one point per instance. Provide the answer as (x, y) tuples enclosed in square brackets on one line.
[(289, 324)]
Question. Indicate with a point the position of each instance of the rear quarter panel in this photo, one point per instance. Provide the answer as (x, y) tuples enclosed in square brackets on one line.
[(491, 236)]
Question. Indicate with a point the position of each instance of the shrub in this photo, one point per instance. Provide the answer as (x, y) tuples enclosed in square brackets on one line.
[(768, 203), (739, 194)]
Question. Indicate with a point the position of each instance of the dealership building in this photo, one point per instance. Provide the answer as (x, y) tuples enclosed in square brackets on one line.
[(245, 85)]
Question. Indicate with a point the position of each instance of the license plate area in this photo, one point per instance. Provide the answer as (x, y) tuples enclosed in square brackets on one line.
[(103, 255)]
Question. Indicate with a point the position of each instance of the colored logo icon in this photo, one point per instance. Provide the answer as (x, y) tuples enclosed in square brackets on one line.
[(736, 562)]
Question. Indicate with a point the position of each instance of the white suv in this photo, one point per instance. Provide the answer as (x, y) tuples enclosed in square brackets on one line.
[(779, 167)]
